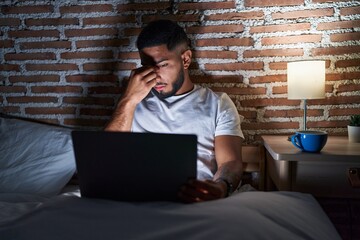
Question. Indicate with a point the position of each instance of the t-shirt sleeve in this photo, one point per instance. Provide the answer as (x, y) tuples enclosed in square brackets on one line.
[(228, 120)]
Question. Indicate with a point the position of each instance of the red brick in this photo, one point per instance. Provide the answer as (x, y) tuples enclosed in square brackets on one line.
[(224, 42), (271, 3), (279, 89), (215, 54), (335, 100), (326, 124), (108, 66), (91, 32), (268, 79), (27, 9), (338, 25), (143, 6), (335, 50), (207, 5), (12, 89), (281, 28), (283, 89), (215, 28), (56, 89), (86, 8), (9, 109), (340, 37), (31, 99), (85, 122), (34, 78), (292, 113), (234, 66), (344, 112), (303, 14), (176, 18), (49, 110), (51, 67), (51, 21), (326, 1), (29, 56), (13, 22), (102, 43), (89, 101), (283, 65), (132, 31), (6, 43), (241, 91), (87, 54), (105, 90), (112, 20), (349, 88), (9, 67), (128, 55), (349, 11), (347, 63), (273, 53), (342, 76), (235, 16), (291, 39), (46, 44), (91, 78), (216, 78), (278, 65), (95, 112), (263, 102), (33, 33), (249, 115)]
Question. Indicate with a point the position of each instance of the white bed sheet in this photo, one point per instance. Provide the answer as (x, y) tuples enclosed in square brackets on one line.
[(246, 215)]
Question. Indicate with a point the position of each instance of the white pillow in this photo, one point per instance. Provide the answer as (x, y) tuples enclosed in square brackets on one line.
[(35, 158)]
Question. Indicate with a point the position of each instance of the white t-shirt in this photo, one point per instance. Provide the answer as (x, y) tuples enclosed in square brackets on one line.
[(201, 112)]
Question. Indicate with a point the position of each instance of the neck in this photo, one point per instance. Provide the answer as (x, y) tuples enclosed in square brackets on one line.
[(187, 86)]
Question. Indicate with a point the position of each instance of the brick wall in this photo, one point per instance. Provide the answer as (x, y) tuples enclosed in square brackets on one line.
[(64, 61)]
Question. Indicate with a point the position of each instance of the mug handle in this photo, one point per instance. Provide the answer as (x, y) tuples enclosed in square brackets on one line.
[(296, 142)]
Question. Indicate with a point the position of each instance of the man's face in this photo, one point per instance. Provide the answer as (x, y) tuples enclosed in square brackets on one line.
[(169, 68)]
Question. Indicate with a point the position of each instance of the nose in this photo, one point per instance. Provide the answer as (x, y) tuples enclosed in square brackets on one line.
[(156, 69)]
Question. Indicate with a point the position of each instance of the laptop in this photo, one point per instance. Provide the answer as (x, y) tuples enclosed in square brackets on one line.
[(128, 166)]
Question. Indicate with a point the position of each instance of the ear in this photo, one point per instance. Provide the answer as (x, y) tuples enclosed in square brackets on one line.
[(186, 58)]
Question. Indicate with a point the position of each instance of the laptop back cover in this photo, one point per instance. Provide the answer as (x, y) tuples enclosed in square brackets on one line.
[(129, 166)]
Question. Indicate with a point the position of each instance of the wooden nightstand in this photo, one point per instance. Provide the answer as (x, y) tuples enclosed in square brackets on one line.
[(323, 174)]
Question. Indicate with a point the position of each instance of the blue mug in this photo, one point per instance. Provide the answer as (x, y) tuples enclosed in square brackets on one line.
[(309, 141)]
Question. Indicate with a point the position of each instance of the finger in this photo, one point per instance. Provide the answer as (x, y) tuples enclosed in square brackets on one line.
[(143, 71), (150, 77), (207, 185), (197, 194), (187, 199)]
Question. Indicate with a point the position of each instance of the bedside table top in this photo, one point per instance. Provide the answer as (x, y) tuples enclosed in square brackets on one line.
[(337, 148)]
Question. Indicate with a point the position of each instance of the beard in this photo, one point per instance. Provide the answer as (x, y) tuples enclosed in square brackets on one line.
[(175, 87)]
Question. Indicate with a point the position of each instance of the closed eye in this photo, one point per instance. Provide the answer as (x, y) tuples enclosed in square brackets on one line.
[(163, 65)]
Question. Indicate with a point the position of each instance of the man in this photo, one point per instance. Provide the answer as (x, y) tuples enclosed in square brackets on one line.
[(160, 97)]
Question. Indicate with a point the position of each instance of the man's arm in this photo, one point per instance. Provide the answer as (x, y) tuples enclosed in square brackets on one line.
[(140, 83), (229, 161), (122, 117)]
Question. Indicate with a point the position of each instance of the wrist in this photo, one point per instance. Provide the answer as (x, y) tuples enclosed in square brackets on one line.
[(229, 186)]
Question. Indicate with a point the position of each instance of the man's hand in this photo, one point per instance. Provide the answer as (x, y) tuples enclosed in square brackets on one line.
[(140, 83), (199, 191), (142, 80)]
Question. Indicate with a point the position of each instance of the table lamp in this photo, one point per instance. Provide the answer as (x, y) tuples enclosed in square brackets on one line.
[(306, 80)]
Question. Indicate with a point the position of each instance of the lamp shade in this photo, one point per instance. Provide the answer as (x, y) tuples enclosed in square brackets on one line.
[(306, 79)]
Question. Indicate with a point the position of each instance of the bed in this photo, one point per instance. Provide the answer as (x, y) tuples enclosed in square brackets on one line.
[(38, 200)]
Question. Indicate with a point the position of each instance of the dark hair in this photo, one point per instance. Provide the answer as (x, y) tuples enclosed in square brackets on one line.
[(162, 32)]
